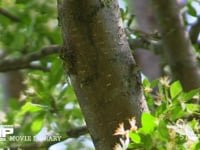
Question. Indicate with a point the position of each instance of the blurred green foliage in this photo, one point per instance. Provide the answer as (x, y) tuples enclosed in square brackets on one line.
[(173, 123), (49, 100)]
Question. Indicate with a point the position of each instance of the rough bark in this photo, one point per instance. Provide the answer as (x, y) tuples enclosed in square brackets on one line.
[(178, 47), (102, 70)]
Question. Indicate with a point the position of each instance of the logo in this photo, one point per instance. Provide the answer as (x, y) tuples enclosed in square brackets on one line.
[(5, 130), (7, 134)]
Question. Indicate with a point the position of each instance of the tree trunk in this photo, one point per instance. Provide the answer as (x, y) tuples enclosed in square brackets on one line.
[(178, 47), (102, 70)]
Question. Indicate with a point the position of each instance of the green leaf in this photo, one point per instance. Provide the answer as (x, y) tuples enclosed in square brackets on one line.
[(160, 109), (145, 82), (189, 95), (39, 86), (192, 107), (62, 93), (130, 20), (175, 89), (154, 83), (148, 123), (177, 112), (37, 124), (197, 146), (56, 72), (135, 137), (70, 94), (194, 123), (191, 10), (148, 142), (32, 108), (163, 131)]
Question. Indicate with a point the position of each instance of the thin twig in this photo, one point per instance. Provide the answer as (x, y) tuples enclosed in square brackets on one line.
[(76, 132), (154, 46), (25, 62), (9, 15)]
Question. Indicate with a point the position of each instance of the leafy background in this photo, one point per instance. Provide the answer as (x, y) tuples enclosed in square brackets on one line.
[(48, 105)]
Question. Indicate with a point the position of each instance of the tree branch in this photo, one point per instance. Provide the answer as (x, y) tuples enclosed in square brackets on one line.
[(177, 45), (154, 46), (25, 62), (76, 132), (9, 15)]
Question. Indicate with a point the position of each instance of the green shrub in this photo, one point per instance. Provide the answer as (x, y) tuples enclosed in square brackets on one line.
[(173, 123)]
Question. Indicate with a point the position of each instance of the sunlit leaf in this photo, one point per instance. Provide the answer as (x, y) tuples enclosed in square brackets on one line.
[(177, 112), (189, 95), (37, 124), (175, 89), (192, 107), (135, 137), (148, 123), (162, 130), (32, 108)]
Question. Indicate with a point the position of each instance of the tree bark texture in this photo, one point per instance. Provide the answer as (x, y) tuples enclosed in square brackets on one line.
[(177, 44), (102, 70)]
